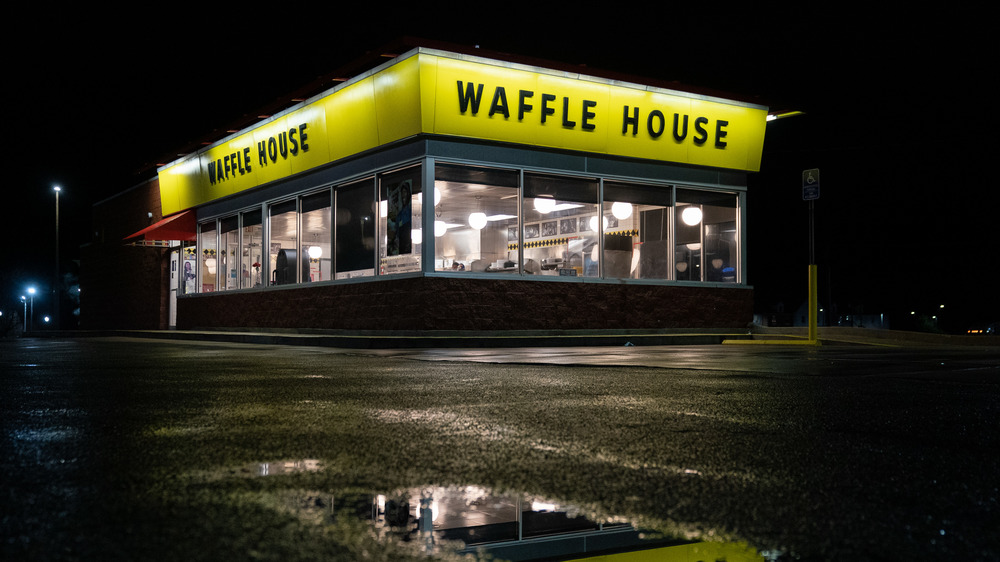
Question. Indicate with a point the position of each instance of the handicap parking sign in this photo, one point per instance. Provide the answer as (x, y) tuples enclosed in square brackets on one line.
[(810, 184)]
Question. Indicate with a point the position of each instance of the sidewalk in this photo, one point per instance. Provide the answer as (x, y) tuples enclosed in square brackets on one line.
[(545, 338)]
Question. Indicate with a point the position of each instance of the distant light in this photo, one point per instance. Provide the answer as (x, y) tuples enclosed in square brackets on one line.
[(56, 188), (46, 318), (31, 290)]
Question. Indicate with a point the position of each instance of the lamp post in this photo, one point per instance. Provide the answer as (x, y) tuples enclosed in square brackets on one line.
[(55, 280), (24, 300), (31, 306)]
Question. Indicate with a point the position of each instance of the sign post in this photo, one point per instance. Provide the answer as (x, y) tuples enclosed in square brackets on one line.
[(810, 193)]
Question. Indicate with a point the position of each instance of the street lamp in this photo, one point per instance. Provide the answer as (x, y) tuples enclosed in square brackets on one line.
[(55, 284), (31, 307), (24, 300)]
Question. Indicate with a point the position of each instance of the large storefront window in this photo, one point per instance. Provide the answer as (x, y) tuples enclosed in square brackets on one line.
[(356, 211), (475, 213), (251, 249), (561, 225), (316, 236), (707, 246), (229, 242), (486, 220), (399, 221), (638, 246), (283, 224), (208, 244)]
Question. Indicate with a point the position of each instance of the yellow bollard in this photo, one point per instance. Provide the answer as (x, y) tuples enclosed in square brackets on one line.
[(813, 303)]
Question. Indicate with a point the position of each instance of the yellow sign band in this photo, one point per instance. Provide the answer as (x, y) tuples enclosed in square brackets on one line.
[(432, 92)]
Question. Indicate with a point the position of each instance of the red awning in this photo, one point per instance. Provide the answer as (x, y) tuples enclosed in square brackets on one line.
[(175, 227)]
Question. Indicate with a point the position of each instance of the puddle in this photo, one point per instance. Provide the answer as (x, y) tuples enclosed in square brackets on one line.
[(288, 467), (44, 434), (472, 522)]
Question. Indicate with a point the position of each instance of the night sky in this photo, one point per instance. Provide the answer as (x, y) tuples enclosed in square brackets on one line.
[(896, 118)]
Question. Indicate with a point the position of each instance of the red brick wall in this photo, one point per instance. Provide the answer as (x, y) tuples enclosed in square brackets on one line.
[(123, 286), (440, 303)]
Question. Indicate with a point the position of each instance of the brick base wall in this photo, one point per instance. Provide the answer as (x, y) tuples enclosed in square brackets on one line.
[(448, 303), (121, 286)]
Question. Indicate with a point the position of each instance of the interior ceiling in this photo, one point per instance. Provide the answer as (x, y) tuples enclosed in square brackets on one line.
[(459, 208)]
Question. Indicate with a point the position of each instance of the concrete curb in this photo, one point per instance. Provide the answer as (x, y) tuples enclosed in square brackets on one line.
[(772, 342)]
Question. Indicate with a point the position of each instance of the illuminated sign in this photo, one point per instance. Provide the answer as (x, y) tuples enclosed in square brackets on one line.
[(566, 111), (432, 92), (285, 144)]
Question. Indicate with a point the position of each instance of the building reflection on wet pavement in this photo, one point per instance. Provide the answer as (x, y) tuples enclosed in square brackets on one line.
[(503, 526)]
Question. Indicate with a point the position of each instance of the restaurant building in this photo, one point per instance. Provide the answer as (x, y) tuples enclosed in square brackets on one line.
[(445, 191)]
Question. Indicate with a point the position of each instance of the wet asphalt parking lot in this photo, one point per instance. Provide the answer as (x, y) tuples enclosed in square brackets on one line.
[(143, 449)]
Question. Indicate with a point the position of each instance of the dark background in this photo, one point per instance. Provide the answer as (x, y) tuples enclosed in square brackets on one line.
[(897, 119)]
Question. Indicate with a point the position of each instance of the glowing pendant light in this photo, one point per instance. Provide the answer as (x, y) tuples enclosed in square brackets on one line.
[(544, 205), (691, 215), (477, 220), (621, 210)]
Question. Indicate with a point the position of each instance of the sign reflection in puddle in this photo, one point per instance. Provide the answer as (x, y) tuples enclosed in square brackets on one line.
[(288, 467), (505, 525), (474, 520)]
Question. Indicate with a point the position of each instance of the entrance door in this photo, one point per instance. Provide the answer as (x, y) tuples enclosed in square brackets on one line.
[(175, 264)]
